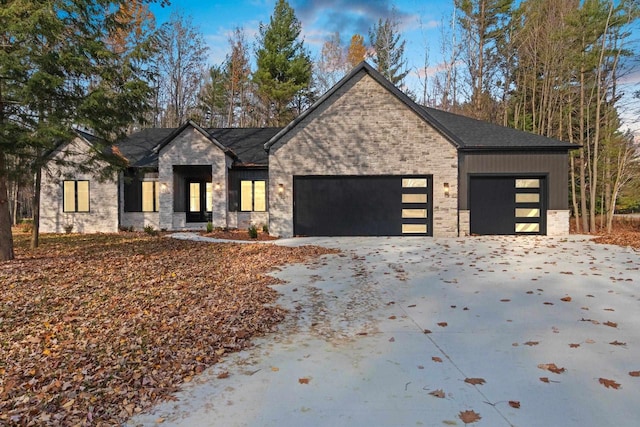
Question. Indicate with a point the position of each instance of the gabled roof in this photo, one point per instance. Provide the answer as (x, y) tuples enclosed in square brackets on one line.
[(463, 132), (245, 145), (204, 133)]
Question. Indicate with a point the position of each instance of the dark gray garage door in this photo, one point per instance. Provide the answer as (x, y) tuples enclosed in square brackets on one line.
[(362, 205), (507, 205)]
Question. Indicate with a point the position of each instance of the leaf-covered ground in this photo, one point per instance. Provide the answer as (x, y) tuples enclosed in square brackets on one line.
[(94, 328)]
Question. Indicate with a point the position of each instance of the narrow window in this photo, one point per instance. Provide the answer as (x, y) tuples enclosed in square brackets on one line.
[(253, 196), (194, 197), (150, 196), (209, 191), (75, 196)]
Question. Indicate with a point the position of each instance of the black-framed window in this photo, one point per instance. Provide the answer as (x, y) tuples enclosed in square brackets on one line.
[(150, 196), (75, 196), (253, 195)]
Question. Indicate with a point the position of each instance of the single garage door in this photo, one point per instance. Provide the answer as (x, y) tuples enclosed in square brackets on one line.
[(507, 205), (362, 205)]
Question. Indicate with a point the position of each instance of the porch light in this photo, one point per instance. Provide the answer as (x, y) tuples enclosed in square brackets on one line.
[(446, 189), (280, 188), (218, 186), (163, 187)]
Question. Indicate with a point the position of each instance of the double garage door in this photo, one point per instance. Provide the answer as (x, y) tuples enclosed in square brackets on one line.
[(507, 204), (362, 205)]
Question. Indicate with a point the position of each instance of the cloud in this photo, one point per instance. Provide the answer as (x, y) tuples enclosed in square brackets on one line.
[(347, 16)]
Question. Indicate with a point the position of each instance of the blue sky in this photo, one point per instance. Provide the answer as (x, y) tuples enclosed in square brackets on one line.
[(420, 21)]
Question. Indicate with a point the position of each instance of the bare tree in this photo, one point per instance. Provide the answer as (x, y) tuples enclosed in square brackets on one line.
[(181, 66), (332, 64)]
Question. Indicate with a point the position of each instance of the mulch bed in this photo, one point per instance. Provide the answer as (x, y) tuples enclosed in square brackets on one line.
[(237, 234)]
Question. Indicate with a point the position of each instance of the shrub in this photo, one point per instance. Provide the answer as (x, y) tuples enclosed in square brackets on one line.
[(124, 228), (209, 227), (68, 228), (253, 232), (26, 225), (265, 228), (150, 230)]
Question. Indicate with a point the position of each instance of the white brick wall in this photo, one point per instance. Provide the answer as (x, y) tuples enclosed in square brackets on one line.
[(103, 196), (191, 148), (363, 130), (558, 222)]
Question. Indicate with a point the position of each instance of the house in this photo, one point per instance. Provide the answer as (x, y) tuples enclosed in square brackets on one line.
[(363, 160)]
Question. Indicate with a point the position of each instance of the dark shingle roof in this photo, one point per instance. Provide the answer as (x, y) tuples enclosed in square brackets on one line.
[(472, 134), (247, 143), (141, 148), (137, 148)]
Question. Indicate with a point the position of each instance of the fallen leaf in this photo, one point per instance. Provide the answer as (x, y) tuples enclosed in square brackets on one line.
[(505, 300), (616, 342), (609, 309), (531, 343), (574, 345), (411, 306), (609, 383), (420, 367), (436, 359), (475, 381), (438, 393), (551, 367), (589, 341), (392, 317), (544, 379), (426, 331), (392, 339), (469, 417), (275, 369), (635, 373), (548, 303), (566, 299), (303, 380), (514, 404), (223, 375), (610, 324), (442, 324)]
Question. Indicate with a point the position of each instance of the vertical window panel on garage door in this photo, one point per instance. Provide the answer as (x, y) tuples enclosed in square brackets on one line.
[(372, 205), (507, 204)]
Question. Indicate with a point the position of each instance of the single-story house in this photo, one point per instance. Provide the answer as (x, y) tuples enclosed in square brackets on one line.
[(363, 160)]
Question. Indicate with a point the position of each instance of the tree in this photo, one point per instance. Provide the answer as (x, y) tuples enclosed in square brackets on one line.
[(181, 66), (283, 65), (388, 50), (357, 52), (238, 71), (332, 65), (56, 70), (213, 98), (483, 24)]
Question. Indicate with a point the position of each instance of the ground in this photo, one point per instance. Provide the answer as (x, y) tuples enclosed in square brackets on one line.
[(94, 329)]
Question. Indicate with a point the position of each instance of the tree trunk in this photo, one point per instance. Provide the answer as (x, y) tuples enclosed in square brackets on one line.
[(6, 238), (35, 231)]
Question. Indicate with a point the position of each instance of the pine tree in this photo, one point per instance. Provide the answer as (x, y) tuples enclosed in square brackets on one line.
[(283, 65), (388, 50), (57, 70)]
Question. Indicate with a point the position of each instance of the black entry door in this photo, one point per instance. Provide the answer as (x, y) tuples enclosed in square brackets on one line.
[(359, 206), (507, 205), (198, 195)]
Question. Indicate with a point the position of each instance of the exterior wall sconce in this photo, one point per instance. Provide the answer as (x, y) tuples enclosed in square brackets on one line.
[(218, 186), (163, 187), (446, 189), (280, 188)]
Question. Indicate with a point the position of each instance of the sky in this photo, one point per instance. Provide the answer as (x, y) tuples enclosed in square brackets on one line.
[(421, 23)]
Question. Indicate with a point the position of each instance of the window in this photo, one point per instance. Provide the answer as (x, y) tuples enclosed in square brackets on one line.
[(253, 196), (75, 196), (150, 196)]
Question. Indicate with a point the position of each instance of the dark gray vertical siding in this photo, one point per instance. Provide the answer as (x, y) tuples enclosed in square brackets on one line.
[(552, 165)]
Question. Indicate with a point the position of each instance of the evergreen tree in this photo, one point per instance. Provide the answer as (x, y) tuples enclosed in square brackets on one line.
[(388, 50), (283, 64), (57, 70)]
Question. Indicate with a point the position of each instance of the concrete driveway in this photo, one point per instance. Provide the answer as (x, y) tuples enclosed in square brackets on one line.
[(386, 333)]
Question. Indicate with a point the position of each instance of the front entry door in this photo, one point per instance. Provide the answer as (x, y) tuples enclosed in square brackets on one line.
[(199, 200)]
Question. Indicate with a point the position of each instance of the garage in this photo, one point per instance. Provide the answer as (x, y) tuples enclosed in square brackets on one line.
[(507, 205), (378, 205)]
